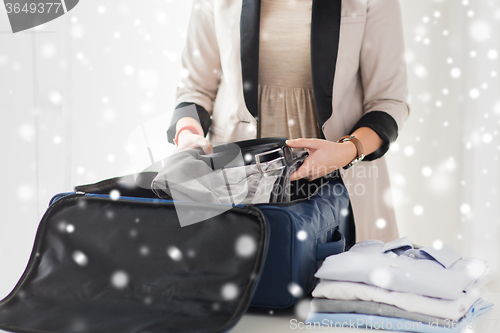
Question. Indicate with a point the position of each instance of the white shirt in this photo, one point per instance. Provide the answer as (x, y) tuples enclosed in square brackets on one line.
[(431, 306), (398, 266)]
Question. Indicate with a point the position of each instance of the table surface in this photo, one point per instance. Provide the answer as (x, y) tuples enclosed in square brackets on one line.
[(278, 321), (288, 320)]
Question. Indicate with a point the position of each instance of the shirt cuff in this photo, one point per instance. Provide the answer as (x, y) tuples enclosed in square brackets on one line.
[(384, 125), (181, 111)]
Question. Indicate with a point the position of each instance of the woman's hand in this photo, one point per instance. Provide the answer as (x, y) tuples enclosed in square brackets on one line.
[(188, 139), (324, 157)]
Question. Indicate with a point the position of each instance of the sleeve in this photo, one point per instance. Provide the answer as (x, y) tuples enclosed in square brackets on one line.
[(383, 73), (201, 68), (192, 110)]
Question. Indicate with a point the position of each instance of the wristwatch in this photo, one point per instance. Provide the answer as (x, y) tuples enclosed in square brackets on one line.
[(359, 148)]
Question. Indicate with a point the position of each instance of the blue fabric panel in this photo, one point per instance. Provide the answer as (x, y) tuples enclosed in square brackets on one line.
[(278, 269), (291, 258)]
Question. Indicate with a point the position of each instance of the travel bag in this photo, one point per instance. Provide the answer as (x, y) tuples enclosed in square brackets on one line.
[(112, 257)]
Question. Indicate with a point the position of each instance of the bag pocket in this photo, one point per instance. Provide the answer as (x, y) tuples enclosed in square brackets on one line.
[(336, 246)]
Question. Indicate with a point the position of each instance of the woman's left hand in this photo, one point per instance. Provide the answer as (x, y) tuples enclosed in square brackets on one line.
[(324, 157)]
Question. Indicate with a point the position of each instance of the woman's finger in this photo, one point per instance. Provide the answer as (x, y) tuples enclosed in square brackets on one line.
[(304, 143), (191, 141), (208, 148)]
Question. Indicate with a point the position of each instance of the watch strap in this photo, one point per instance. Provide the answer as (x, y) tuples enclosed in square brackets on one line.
[(357, 143), (359, 149)]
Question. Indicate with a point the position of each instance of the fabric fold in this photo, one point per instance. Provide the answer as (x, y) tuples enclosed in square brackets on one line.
[(449, 309), (355, 320), (287, 112), (373, 308)]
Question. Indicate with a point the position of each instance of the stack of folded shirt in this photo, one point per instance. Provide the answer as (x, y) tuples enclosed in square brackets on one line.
[(395, 286)]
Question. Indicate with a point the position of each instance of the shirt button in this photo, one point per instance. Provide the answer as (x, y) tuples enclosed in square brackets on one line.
[(394, 265), (411, 255)]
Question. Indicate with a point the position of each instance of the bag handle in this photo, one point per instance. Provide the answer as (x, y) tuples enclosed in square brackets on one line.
[(271, 142), (123, 183), (331, 248)]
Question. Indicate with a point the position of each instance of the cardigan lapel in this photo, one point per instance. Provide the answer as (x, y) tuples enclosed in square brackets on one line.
[(249, 47), (325, 32), (325, 35)]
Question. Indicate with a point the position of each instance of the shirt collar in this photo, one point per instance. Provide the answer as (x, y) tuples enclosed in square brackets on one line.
[(447, 255), (402, 243)]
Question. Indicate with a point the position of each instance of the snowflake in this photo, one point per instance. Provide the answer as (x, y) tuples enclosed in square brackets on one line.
[(245, 246), (229, 291), (119, 279)]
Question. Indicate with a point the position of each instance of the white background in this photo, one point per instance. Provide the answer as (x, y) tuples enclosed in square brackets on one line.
[(74, 92)]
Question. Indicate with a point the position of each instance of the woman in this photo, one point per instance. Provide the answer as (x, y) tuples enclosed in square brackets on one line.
[(311, 70)]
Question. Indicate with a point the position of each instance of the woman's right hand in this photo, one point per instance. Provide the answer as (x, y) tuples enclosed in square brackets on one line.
[(189, 140)]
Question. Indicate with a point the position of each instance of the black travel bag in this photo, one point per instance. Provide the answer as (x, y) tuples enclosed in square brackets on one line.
[(112, 257)]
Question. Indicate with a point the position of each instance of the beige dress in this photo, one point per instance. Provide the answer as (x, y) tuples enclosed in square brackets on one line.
[(286, 100)]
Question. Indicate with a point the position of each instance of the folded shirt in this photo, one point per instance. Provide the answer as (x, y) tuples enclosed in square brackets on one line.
[(449, 309), (355, 320), (373, 308), (398, 266)]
